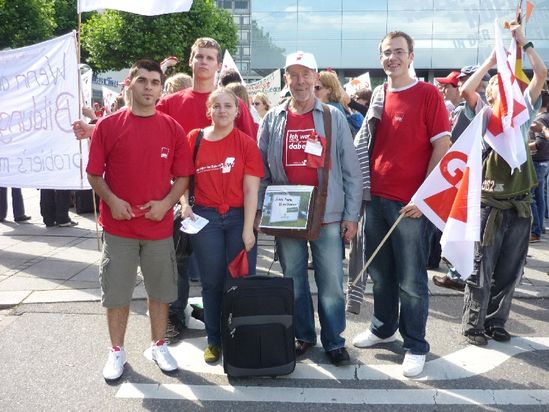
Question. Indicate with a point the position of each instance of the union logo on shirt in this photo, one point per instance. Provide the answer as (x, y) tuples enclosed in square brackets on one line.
[(228, 165), (164, 151), (296, 140)]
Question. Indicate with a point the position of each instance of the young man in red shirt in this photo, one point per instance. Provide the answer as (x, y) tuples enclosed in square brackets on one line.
[(411, 134), (134, 155), (188, 108)]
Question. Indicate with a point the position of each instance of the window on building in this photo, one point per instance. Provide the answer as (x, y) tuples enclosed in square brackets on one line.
[(246, 51), (244, 36), (241, 5)]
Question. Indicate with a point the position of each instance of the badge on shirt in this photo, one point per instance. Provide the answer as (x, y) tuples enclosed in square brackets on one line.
[(313, 147), (315, 151)]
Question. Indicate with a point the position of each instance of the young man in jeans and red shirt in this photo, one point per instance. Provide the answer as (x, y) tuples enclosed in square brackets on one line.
[(134, 155), (411, 136)]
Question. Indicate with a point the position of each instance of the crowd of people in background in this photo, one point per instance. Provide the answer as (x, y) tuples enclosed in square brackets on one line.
[(235, 145)]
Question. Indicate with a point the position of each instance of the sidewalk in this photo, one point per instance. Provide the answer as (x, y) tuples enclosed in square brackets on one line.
[(46, 265)]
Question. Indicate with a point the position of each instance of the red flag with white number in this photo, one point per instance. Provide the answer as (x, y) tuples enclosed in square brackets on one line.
[(450, 197)]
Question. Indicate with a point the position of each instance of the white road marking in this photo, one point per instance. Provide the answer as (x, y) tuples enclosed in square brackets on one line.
[(464, 363), (334, 395)]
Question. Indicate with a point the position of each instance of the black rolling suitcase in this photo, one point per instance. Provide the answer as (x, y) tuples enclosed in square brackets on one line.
[(258, 326)]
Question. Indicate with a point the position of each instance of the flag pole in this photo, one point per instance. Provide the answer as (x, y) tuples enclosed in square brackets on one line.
[(375, 252), (81, 95)]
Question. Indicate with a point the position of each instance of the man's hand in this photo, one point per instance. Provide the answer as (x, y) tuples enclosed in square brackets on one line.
[(157, 209), (120, 209), (536, 127), (518, 33), (82, 130), (411, 210), (348, 230)]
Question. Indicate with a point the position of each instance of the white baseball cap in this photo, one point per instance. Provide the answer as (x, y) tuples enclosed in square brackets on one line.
[(302, 59)]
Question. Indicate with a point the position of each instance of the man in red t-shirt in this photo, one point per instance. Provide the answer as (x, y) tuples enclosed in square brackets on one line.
[(188, 108), (410, 137), (134, 155)]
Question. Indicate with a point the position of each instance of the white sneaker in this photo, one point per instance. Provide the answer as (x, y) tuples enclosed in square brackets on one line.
[(114, 368), (367, 339), (162, 356), (413, 364), (190, 322)]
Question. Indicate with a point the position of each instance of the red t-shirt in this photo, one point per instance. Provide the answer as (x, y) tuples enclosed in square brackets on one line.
[(298, 129), (188, 108), (220, 169), (138, 157), (413, 118)]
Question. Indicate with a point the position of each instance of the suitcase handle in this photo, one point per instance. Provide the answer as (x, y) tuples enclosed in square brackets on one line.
[(284, 320)]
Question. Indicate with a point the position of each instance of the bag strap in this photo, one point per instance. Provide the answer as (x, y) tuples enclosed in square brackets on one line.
[(195, 152), (328, 130)]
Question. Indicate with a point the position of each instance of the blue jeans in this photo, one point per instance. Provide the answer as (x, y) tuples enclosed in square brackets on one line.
[(215, 246), (538, 197), (328, 270), (398, 274), (498, 268)]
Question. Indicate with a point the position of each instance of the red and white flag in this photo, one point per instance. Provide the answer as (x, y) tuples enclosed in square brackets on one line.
[(450, 197), (509, 112), (144, 7)]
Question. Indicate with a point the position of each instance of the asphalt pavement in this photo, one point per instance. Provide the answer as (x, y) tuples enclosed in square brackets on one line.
[(53, 342)]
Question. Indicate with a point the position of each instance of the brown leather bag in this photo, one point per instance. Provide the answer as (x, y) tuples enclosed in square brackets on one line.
[(318, 196)]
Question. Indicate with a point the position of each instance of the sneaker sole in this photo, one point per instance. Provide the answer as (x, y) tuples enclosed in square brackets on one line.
[(369, 345), (166, 370)]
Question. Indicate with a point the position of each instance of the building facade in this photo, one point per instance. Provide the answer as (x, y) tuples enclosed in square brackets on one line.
[(344, 34)]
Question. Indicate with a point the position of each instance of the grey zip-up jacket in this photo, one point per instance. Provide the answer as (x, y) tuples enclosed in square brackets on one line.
[(345, 178), (364, 139)]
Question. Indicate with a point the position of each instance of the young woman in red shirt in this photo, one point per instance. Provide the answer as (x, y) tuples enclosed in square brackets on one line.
[(228, 170)]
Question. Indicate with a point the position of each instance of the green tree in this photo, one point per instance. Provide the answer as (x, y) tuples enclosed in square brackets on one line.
[(25, 22), (115, 40)]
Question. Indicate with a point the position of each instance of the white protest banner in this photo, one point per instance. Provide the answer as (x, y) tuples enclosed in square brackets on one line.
[(86, 75), (358, 83), (38, 103), (270, 85), (146, 8), (109, 96)]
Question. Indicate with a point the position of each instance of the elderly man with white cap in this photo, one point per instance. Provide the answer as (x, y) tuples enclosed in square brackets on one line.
[(282, 138)]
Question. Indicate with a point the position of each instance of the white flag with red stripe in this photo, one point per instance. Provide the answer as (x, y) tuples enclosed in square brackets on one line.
[(509, 112), (144, 7), (450, 197)]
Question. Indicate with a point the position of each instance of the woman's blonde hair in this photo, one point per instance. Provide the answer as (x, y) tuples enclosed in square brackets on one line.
[(177, 82), (263, 98), (330, 81), (240, 90)]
